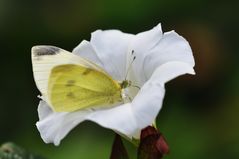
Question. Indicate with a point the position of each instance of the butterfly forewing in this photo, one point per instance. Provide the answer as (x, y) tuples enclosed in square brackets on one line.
[(45, 58), (69, 82)]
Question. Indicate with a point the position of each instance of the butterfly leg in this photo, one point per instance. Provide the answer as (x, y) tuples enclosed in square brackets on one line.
[(126, 97)]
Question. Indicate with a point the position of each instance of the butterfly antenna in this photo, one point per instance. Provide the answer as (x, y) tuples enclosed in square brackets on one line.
[(130, 65)]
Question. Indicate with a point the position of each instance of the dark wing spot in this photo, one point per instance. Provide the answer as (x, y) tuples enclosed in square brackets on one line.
[(70, 83), (86, 72), (45, 50), (70, 95)]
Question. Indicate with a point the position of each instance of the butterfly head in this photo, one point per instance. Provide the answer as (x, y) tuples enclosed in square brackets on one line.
[(125, 84)]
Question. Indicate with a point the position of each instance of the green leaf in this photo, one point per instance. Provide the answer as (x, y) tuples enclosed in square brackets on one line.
[(12, 151)]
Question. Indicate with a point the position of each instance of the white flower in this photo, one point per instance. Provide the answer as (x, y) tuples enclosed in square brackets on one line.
[(160, 57)]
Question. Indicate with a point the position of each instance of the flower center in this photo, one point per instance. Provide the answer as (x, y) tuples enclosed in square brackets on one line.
[(128, 90)]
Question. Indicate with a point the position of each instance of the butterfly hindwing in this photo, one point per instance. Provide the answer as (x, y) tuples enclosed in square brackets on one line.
[(72, 87)]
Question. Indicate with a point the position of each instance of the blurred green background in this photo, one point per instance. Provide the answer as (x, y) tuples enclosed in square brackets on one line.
[(200, 116)]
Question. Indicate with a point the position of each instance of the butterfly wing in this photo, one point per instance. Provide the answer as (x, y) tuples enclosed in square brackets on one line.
[(73, 87), (45, 58)]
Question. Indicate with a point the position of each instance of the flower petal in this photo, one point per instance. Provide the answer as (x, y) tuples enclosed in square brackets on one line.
[(148, 102), (111, 47), (171, 70), (43, 110), (171, 47), (142, 44), (120, 119), (54, 126), (85, 50)]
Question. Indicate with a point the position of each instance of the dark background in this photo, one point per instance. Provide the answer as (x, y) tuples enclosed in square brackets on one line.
[(200, 116)]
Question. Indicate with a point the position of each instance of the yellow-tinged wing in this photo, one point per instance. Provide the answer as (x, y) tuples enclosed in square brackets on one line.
[(72, 87), (46, 58)]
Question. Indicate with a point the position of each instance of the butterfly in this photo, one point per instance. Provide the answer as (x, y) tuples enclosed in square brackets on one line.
[(69, 82)]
